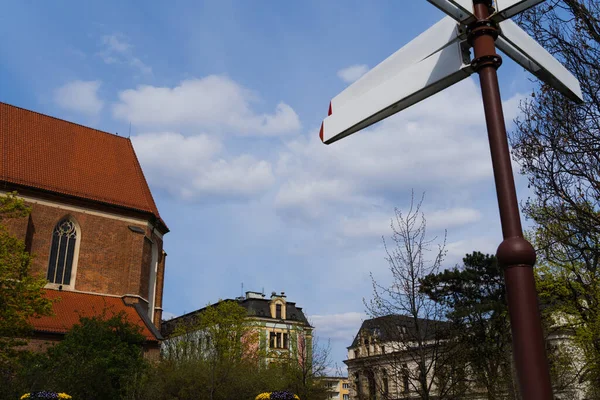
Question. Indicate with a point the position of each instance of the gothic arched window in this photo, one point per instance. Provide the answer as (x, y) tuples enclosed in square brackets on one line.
[(62, 251)]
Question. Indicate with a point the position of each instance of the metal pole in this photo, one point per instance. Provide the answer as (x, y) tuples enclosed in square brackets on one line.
[(515, 253)]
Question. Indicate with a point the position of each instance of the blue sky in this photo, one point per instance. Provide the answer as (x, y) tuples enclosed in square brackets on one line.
[(225, 99)]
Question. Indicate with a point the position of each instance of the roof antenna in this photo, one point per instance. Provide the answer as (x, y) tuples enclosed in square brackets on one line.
[(129, 130), (242, 294)]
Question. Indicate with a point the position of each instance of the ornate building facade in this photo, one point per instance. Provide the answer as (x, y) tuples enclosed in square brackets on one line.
[(281, 325)]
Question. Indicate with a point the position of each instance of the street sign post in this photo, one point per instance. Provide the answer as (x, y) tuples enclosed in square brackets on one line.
[(433, 61)]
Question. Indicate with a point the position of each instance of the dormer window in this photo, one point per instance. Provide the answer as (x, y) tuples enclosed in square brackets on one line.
[(277, 309)]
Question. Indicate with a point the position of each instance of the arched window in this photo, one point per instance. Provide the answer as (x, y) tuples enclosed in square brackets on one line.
[(62, 252)]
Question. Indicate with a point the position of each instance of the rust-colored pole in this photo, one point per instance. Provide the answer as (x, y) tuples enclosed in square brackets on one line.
[(515, 253)]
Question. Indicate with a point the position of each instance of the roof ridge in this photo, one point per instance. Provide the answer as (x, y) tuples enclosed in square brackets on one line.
[(63, 120), (102, 168), (145, 188)]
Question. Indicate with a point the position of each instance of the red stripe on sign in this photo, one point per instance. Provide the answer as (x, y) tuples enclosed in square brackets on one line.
[(321, 132), (329, 109)]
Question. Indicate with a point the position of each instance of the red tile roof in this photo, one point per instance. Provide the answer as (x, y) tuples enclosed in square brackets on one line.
[(44, 152), (70, 306)]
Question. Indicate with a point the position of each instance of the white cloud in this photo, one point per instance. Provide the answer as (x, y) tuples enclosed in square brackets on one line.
[(338, 327), (216, 103), (313, 198), (118, 50), (166, 315), (439, 145), (195, 167), (80, 96), (116, 43), (352, 73), (446, 219), (369, 225), (377, 224), (458, 249)]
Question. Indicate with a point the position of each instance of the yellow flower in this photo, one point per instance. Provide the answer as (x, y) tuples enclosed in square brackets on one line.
[(263, 396), (64, 396), (25, 396)]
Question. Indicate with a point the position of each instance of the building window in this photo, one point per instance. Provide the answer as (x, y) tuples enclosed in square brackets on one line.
[(385, 383), (405, 378), (272, 339), (285, 341), (278, 344), (346, 385), (62, 252), (278, 311), (371, 382), (346, 397)]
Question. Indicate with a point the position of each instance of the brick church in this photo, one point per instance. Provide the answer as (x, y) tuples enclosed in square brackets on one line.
[(94, 228)]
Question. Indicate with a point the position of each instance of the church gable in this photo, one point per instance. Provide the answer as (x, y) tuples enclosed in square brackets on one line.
[(42, 152)]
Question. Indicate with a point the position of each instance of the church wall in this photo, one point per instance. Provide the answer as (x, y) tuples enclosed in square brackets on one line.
[(160, 279), (112, 258), (145, 261)]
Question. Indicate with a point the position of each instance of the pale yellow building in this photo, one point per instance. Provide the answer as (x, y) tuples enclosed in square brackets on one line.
[(338, 387)]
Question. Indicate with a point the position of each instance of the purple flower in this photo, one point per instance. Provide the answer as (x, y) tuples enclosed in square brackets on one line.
[(284, 395), (44, 394)]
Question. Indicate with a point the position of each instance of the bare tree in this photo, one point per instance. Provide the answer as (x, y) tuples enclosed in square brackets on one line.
[(407, 326), (307, 362)]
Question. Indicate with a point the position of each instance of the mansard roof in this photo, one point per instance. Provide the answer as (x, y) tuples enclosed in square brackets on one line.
[(49, 154), (391, 328), (258, 308)]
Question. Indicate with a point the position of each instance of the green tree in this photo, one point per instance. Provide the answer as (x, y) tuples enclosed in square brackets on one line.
[(21, 294), (216, 355), (474, 299), (221, 354), (99, 358), (304, 366), (557, 145), (576, 359)]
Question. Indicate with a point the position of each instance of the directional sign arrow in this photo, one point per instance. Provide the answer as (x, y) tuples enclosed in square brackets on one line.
[(518, 45), (429, 42), (407, 87)]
